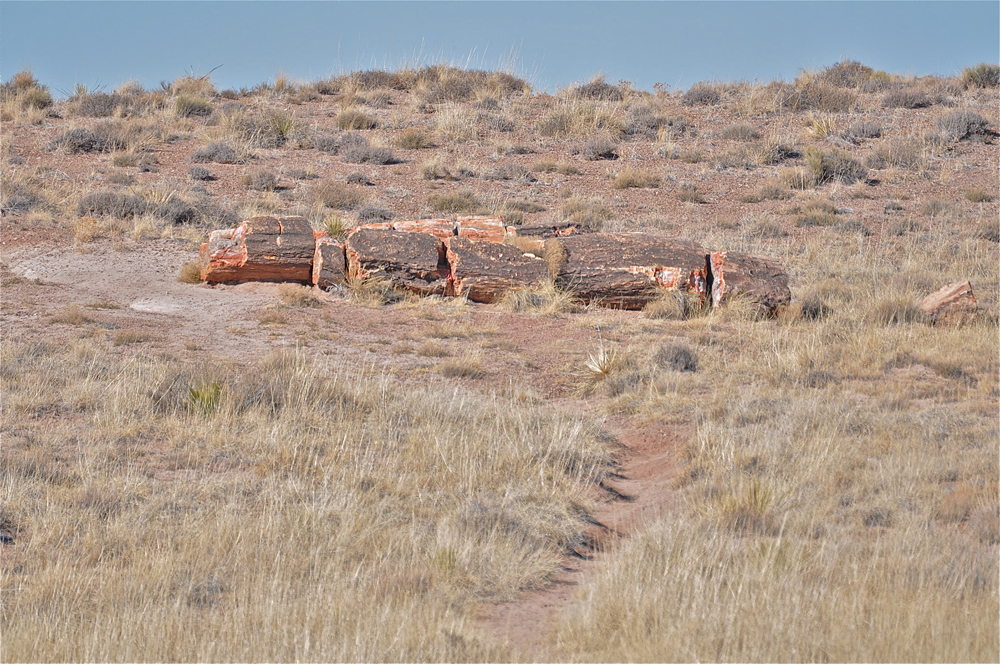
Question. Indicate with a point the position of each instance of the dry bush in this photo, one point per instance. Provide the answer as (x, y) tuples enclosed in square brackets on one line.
[(829, 165), (328, 476), (599, 148), (561, 167), (297, 296), (898, 153), (983, 75), (963, 125), (260, 180), (906, 98), (186, 107), (599, 89), (584, 119), (546, 300), (630, 177), (768, 191), (977, 195), (456, 124), (413, 139), (454, 202), (352, 119), (334, 195), (740, 132), (702, 94), (467, 366), (189, 273), (688, 193), (815, 212), (589, 212), (797, 178), (220, 153)]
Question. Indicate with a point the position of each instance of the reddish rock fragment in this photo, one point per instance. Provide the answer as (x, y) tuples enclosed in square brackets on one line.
[(260, 249), (412, 260), (483, 271), (760, 280), (439, 228), (627, 270), (482, 229), (329, 265), (952, 304)]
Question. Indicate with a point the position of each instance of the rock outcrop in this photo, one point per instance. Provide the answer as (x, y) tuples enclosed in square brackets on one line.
[(260, 249)]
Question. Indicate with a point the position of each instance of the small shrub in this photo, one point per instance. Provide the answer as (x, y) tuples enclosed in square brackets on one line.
[(688, 193), (633, 178), (200, 174), (355, 149), (462, 367), (977, 195), (75, 141), (827, 166), (334, 195), (891, 310), (906, 98), (413, 139), (898, 153), (599, 89), (588, 212), (509, 172), (702, 94), (983, 75), (187, 107), (112, 204), (797, 178), (326, 144), (373, 214), (455, 202), (71, 315), (220, 153), (676, 357), (128, 337), (435, 169), (295, 295), (261, 180), (555, 167), (847, 74), (863, 130), (740, 132), (814, 308), (358, 177), (600, 148), (818, 212), (353, 119), (189, 273), (963, 125), (935, 208)]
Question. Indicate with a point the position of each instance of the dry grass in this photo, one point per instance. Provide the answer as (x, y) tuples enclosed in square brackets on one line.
[(630, 177), (315, 522)]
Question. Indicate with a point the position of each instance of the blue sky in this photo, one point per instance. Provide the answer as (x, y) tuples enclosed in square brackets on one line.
[(553, 43)]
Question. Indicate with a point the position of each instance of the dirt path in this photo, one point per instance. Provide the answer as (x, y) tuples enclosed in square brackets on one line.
[(641, 492)]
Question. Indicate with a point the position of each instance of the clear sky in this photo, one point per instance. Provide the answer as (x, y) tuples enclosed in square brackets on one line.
[(553, 43)]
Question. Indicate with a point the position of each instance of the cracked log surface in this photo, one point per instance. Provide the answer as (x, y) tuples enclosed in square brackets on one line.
[(260, 249), (329, 266), (952, 304), (760, 280), (557, 229), (627, 270), (484, 271), (414, 261)]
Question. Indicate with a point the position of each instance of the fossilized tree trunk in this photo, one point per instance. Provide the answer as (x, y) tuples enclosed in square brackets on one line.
[(260, 249)]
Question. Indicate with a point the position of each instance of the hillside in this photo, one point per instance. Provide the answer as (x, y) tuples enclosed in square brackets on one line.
[(271, 472)]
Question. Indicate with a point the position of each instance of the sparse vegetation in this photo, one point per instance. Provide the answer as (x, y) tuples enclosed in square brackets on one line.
[(455, 202)]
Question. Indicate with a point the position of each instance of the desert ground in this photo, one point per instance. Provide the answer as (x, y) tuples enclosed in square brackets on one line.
[(271, 472)]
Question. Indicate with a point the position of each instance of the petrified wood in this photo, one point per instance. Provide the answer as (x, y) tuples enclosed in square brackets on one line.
[(952, 304), (329, 265), (627, 270), (412, 260), (760, 280), (484, 271), (260, 249)]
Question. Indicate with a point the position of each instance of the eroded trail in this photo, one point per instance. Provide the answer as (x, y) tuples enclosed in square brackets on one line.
[(641, 491)]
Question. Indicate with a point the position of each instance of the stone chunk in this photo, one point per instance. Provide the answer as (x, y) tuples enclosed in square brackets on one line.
[(329, 265), (627, 270), (414, 261), (481, 229), (259, 249), (439, 228), (484, 271), (760, 280), (952, 304)]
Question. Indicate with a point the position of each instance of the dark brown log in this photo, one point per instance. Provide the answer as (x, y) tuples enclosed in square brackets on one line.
[(329, 265), (557, 229), (952, 304), (260, 249), (627, 270), (483, 271), (759, 280), (414, 261)]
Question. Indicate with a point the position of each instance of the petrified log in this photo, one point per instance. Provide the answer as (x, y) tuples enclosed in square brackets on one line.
[(557, 229), (439, 228), (486, 270), (481, 229), (414, 261), (260, 249), (627, 270), (760, 280), (329, 265), (952, 304)]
